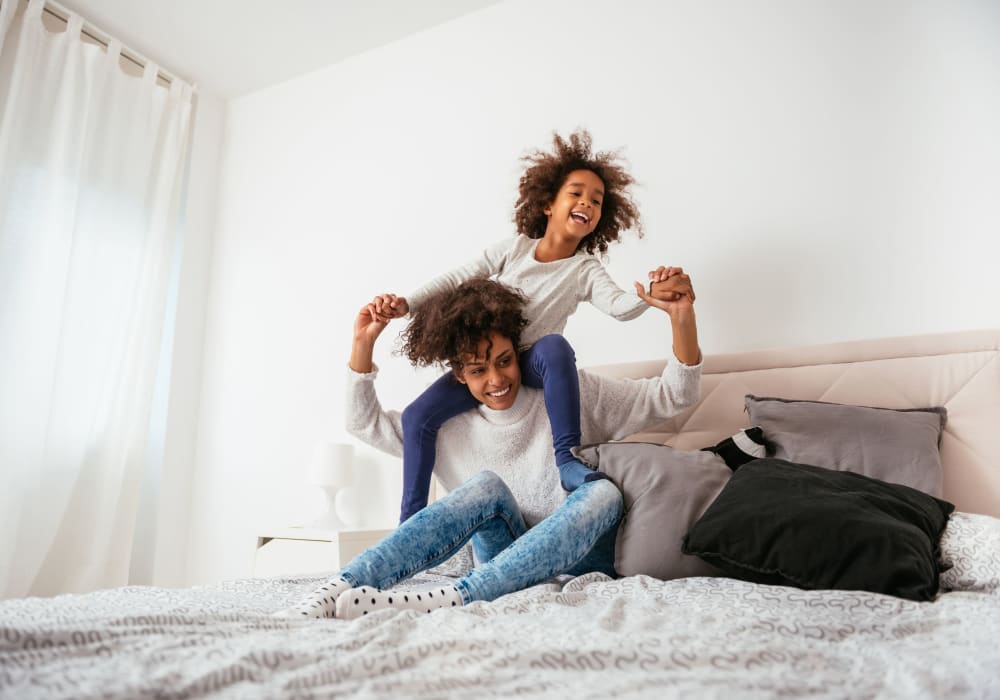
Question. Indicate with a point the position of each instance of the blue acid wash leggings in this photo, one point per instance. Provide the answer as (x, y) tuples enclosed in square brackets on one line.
[(578, 537), (549, 364)]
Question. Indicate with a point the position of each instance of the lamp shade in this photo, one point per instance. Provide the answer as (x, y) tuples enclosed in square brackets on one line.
[(331, 464)]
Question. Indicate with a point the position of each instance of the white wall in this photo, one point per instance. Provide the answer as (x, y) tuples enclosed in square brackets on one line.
[(825, 170)]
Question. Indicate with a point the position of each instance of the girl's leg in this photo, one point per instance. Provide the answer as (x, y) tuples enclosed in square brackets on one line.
[(482, 508), (550, 365), (578, 537), (443, 399)]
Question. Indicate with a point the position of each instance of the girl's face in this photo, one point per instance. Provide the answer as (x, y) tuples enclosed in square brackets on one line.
[(493, 375), (576, 209)]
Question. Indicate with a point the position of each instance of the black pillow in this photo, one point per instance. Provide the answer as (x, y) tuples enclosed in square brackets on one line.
[(790, 524)]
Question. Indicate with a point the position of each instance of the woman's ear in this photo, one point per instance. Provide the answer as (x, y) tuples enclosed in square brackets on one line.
[(458, 376)]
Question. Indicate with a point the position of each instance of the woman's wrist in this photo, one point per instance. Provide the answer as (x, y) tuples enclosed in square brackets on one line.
[(361, 357), (685, 334)]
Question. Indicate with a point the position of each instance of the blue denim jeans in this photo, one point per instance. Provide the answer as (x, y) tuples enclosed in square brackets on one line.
[(577, 538), (549, 364)]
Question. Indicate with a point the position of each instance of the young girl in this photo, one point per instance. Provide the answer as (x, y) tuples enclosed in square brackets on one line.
[(571, 205)]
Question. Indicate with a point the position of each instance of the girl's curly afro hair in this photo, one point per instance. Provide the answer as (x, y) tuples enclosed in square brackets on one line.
[(546, 173), (448, 326)]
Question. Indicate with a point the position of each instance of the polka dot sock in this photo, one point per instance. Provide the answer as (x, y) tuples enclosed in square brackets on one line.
[(320, 603), (361, 601)]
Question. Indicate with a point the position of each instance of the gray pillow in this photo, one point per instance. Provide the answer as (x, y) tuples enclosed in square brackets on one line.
[(895, 445), (666, 491)]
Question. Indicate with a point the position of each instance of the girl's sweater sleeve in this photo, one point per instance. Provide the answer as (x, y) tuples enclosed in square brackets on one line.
[(612, 409), (601, 291), (365, 418), (490, 262)]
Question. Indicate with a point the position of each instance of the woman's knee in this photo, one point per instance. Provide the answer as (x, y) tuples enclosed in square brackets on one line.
[(604, 496), (486, 485)]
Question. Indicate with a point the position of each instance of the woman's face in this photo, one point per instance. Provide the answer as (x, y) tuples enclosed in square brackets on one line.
[(493, 375)]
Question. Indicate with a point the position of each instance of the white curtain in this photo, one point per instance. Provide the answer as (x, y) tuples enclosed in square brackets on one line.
[(92, 167)]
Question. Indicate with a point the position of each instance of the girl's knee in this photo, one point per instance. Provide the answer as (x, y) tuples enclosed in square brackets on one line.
[(555, 345), (413, 416)]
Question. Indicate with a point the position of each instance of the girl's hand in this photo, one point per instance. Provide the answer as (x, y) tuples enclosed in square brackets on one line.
[(390, 306)]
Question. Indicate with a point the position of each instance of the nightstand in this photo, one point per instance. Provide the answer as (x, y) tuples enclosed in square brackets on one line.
[(303, 550)]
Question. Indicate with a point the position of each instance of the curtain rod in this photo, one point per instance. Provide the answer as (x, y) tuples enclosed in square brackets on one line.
[(103, 38)]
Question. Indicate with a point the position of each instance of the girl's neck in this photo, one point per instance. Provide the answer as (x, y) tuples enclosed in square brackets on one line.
[(551, 248)]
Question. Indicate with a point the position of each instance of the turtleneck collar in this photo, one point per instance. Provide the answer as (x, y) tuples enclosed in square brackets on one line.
[(521, 408)]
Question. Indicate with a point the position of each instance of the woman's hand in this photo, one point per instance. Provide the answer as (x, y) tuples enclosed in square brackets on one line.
[(369, 324), (663, 273)]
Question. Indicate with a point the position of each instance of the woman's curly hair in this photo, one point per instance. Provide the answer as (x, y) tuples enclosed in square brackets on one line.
[(546, 174), (449, 325)]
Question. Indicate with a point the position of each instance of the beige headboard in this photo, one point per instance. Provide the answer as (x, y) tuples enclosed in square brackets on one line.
[(960, 371)]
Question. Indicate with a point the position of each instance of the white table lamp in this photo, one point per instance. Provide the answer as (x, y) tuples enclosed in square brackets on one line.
[(331, 469)]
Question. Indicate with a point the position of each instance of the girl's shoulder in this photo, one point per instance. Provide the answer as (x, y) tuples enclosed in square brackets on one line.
[(520, 242), (512, 245)]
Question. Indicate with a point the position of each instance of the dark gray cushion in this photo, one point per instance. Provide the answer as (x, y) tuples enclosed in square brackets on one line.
[(896, 445), (666, 491)]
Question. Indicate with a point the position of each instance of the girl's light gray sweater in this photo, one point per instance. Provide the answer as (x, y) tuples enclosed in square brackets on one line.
[(517, 443), (554, 289)]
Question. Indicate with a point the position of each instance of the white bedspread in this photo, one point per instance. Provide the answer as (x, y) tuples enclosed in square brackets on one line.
[(585, 637)]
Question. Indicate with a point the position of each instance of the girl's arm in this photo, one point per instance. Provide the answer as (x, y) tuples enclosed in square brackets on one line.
[(601, 291), (490, 262)]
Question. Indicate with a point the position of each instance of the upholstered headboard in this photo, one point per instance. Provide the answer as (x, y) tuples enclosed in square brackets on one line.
[(960, 371)]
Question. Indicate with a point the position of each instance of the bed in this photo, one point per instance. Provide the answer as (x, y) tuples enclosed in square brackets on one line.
[(590, 636)]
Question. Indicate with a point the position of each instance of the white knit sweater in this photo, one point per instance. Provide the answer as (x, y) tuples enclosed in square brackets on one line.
[(517, 443), (554, 289)]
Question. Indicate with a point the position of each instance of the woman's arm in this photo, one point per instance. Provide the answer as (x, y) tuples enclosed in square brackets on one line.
[(365, 418), (675, 295), (611, 409)]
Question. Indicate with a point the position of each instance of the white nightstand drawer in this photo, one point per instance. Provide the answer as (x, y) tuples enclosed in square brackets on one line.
[(307, 551)]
